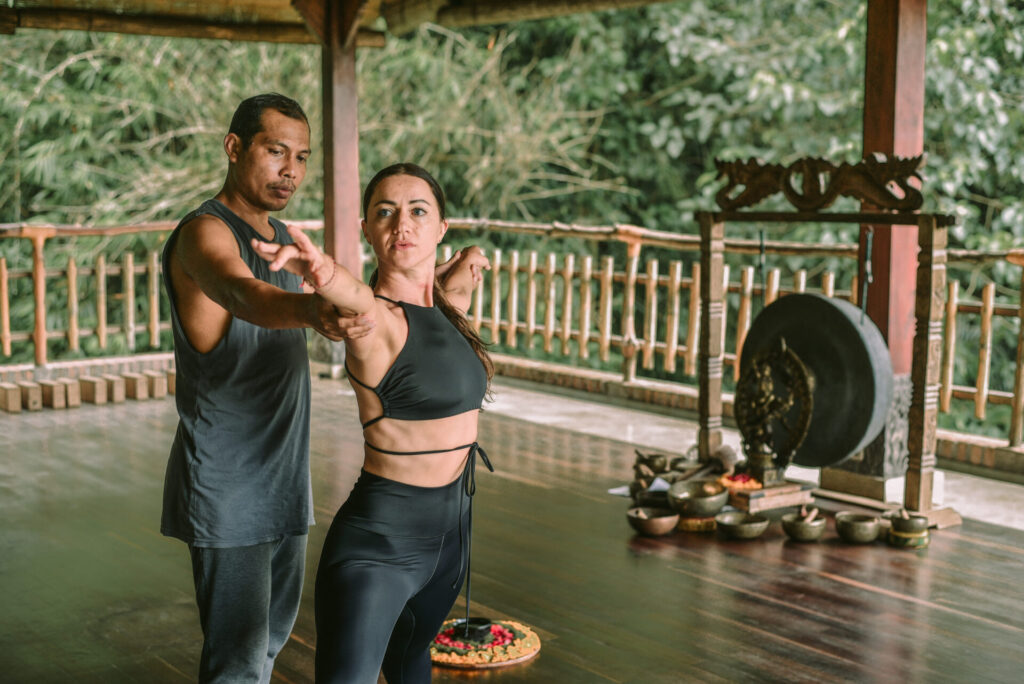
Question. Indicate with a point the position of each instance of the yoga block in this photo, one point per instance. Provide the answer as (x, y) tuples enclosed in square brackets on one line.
[(135, 385), (94, 390), (31, 395), (115, 388), (10, 397), (170, 381), (157, 383), (72, 391), (54, 394)]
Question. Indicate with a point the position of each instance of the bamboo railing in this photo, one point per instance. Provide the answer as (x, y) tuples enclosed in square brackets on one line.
[(633, 315)]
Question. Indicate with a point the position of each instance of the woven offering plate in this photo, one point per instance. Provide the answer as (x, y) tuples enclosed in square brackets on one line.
[(512, 642)]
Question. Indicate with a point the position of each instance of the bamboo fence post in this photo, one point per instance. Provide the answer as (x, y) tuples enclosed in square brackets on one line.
[(586, 303), (988, 297), (549, 301), (495, 326), (650, 314), (101, 300), (949, 346), (5, 308), (693, 322), (743, 315), (567, 274), (511, 332), (629, 342), (153, 288), (128, 277), (38, 235), (800, 281), (712, 348), (478, 306), (925, 367), (605, 306), (531, 299), (828, 284), (675, 277), (1017, 415), (772, 287), (72, 304)]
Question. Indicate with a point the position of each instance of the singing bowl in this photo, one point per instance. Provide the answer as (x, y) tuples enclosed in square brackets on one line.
[(801, 530), (740, 525), (911, 524), (849, 361), (659, 521), (697, 498), (857, 528)]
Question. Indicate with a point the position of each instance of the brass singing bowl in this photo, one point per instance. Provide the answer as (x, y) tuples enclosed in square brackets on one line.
[(658, 521), (913, 523), (697, 498), (800, 529), (740, 525), (857, 528)]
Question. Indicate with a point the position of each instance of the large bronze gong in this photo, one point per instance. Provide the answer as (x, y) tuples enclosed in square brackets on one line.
[(849, 364)]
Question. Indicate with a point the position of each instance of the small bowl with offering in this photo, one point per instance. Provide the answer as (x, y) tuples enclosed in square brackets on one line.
[(697, 498), (804, 526), (652, 522), (857, 528), (740, 525)]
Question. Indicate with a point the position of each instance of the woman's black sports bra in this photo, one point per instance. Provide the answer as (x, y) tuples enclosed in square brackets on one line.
[(436, 375)]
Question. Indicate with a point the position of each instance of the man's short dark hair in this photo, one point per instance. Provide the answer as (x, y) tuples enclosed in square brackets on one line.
[(247, 120)]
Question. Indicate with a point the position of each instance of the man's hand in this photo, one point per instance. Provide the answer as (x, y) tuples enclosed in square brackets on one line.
[(336, 327)]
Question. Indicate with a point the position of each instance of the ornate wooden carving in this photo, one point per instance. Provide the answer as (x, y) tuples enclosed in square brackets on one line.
[(813, 183), (712, 334), (927, 364)]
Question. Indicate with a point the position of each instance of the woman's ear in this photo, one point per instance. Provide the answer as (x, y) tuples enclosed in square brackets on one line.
[(444, 229)]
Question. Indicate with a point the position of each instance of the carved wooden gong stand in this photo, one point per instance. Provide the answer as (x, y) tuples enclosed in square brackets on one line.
[(810, 185)]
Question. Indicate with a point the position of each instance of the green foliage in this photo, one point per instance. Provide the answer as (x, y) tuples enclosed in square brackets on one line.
[(600, 118)]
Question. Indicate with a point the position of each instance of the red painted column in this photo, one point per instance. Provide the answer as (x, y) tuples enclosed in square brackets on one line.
[(341, 134), (894, 125)]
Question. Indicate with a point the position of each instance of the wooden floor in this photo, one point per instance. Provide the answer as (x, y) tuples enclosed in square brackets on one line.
[(93, 593)]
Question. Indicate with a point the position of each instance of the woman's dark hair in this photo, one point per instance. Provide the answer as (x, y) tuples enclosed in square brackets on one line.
[(248, 117), (460, 322)]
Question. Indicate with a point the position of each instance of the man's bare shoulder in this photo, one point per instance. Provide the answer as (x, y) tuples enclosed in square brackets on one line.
[(205, 234)]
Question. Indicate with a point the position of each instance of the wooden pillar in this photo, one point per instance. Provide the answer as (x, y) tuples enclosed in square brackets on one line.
[(893, 125), (712, 334), (38, 235), (341, 133)]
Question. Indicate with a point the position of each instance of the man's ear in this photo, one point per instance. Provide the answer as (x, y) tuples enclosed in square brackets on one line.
[(232, 147), (362, 227)]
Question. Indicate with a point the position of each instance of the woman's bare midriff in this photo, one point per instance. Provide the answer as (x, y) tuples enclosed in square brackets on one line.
[(421, 470)]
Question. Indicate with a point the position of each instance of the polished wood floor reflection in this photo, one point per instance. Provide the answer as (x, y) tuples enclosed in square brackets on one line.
[(93, 593)]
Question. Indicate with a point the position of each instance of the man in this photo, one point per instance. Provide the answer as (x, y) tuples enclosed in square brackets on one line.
[(237, 488)]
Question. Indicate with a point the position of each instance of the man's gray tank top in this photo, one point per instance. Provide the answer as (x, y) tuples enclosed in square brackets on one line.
[(238, 473)]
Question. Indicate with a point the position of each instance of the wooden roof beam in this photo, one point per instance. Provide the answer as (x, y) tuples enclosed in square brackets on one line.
[(502, 11), (175, 27), (403, 17)]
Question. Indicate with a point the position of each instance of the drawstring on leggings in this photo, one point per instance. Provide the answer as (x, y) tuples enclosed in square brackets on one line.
[(468, 490)]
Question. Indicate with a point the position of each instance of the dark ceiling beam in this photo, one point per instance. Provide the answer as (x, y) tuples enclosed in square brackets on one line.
[(403, 17), (502, 11), (174, 27)]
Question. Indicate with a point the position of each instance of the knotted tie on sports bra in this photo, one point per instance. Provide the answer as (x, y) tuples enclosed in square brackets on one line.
[(436, 375)]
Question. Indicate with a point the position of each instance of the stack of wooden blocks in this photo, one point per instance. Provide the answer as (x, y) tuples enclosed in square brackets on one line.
[(62, 393)]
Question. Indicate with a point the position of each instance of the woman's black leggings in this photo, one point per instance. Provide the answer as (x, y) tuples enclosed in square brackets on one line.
[(390, 571)]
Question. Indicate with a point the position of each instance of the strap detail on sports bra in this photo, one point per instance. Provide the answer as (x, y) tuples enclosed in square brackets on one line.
[(387, 299)]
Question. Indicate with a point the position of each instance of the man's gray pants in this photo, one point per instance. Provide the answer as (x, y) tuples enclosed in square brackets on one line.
[(248, 597)]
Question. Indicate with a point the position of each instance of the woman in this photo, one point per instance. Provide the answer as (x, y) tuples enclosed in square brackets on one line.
[(398, 549)]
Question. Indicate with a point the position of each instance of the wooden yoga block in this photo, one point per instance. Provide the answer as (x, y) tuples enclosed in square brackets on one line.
[(115, 388), (72, 391), (170, 380), (10, 397), (94, 390), (157, 382), (135, 385), (54, 394), (31, 395)]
